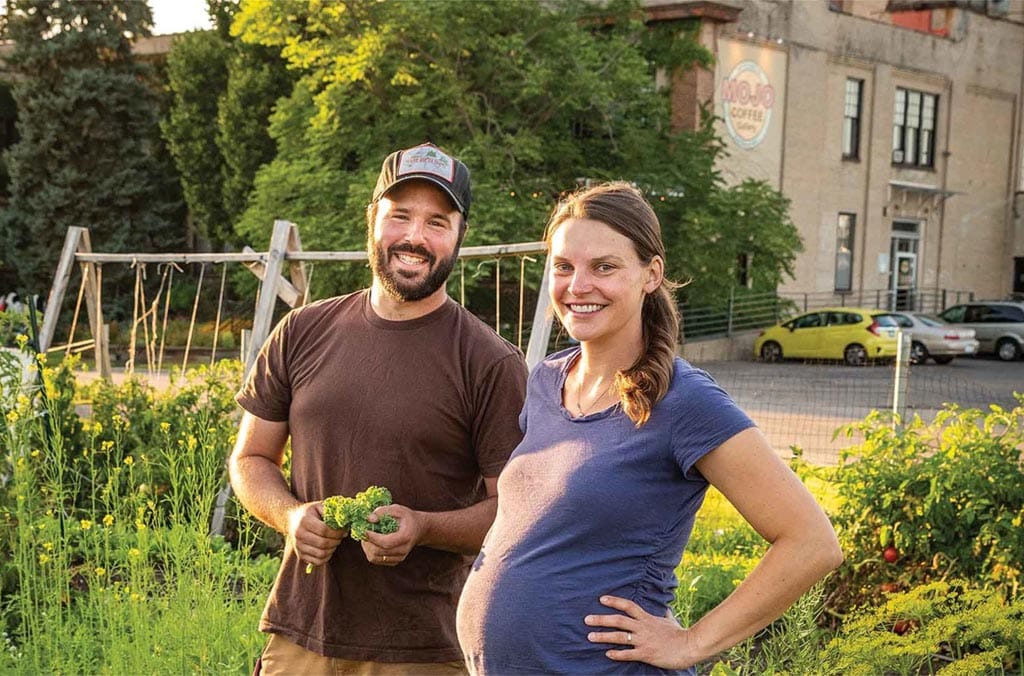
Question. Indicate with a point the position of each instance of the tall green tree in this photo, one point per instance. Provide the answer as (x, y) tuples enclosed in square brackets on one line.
[(89, 152), (197, 72), (533, 96), (223, 94)]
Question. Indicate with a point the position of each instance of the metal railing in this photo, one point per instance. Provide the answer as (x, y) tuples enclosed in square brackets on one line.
[(745, 311)]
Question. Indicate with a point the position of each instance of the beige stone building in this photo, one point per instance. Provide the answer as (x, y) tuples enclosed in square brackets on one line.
[(894, 126)]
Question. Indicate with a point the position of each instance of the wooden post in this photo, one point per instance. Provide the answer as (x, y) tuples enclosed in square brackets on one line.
[(264, 316), (286, 291), (540, 333), (77, 241), (296, 268), (59, 286)]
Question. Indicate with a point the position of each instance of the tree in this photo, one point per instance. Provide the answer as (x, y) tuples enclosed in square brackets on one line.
[(89, 149), (196, 72), (223, 93), (533, 96)]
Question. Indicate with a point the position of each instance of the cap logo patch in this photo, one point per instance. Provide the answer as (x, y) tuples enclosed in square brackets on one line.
[(427, 160)]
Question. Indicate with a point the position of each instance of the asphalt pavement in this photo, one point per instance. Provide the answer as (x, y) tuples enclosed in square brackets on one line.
[(803, 405)]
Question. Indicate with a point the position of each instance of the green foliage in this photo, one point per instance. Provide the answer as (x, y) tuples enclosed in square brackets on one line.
[(533, 97), (790, 645), (257, 78), (224, 92), (344, 513), (948, 495), (722, 550), (197, 67), (107, 564), (953, 626), (89, 151)]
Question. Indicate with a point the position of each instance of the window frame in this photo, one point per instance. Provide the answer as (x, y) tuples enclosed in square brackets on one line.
[(851, 229), (850, 141), (914, 124)]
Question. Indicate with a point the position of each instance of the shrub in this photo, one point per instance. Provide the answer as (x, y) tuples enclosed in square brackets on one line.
[(920, 502), (953, 626)]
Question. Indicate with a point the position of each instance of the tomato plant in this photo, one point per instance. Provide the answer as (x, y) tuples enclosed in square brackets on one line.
[(943, 498)]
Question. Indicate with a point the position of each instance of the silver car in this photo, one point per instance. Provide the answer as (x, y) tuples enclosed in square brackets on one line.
[(933, 338), (998, 325)]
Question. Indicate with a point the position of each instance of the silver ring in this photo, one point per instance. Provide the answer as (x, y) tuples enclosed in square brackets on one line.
[(384, 558), (629, 637)]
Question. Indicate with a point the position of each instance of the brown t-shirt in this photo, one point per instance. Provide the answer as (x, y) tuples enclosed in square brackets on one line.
[(426, 408)]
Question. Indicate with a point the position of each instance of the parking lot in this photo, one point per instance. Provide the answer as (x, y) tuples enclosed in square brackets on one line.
[(803, 404)]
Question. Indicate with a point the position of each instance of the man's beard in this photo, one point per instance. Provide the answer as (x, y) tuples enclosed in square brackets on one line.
[(405, 289)]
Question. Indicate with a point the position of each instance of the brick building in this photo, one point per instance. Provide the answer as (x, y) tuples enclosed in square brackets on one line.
[(894, 127)]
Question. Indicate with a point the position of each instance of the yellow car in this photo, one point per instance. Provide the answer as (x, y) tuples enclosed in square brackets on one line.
[(853, 334)]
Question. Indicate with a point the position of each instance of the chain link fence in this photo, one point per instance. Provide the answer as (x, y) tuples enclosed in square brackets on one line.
[(801, 406)]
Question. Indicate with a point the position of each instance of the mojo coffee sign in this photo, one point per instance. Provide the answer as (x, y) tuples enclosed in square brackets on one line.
[(747, 99)]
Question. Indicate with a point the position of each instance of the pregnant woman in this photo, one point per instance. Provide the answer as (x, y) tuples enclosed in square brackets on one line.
[(622, 439)]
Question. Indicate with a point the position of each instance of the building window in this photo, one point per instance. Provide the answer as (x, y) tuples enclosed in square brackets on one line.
[(851, 118), (844, 251), (913, 128)]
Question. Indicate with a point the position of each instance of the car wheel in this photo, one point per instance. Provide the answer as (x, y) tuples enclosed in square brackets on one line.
[(771, 351), (1007, 349), (855, 355), (918, 353), (942, 360)]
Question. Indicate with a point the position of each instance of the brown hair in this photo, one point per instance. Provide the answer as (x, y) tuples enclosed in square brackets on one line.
[(625, 210)]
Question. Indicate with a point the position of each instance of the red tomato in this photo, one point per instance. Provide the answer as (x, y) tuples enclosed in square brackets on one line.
[(891, 554)]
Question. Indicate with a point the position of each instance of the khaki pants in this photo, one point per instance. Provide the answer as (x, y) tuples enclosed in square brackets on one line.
[(281, 657)]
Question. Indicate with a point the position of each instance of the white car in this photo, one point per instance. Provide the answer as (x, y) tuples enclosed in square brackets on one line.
[(934, 338)]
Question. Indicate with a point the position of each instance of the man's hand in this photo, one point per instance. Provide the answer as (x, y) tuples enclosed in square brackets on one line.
[(391, 549), (313, 540)]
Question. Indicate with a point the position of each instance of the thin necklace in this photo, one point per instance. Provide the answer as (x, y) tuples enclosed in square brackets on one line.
[(579, 396)]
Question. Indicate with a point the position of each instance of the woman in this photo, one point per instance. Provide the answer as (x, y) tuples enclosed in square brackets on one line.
[(622, 438)]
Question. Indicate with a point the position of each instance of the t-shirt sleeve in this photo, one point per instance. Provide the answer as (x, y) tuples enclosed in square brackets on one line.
[(707, 418), (496, 424), (267, 391)]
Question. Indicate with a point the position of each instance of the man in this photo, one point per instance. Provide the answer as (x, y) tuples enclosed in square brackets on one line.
[(396, 386)]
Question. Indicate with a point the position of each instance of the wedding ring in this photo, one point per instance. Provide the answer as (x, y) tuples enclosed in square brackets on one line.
[(629, 637), (384, 558)]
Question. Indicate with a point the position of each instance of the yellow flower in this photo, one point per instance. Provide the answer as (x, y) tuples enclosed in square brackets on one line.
[(134, 553), (48, 546), (139, 525), (22, 400), (108, 520), (165, 427), (12, 416), (44, 559), (85, 524), (85, 453), (97, 428), (129, 461), (106, 445), (36, 453), (135, 596), (22, 340), (100, 571)]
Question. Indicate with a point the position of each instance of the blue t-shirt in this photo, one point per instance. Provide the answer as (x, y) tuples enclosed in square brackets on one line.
[(588, 506)]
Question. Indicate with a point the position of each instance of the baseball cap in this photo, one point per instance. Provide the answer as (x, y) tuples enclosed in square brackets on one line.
[(426, 162)]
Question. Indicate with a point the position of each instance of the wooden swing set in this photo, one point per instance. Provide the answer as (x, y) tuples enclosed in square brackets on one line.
[(285, 254)]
